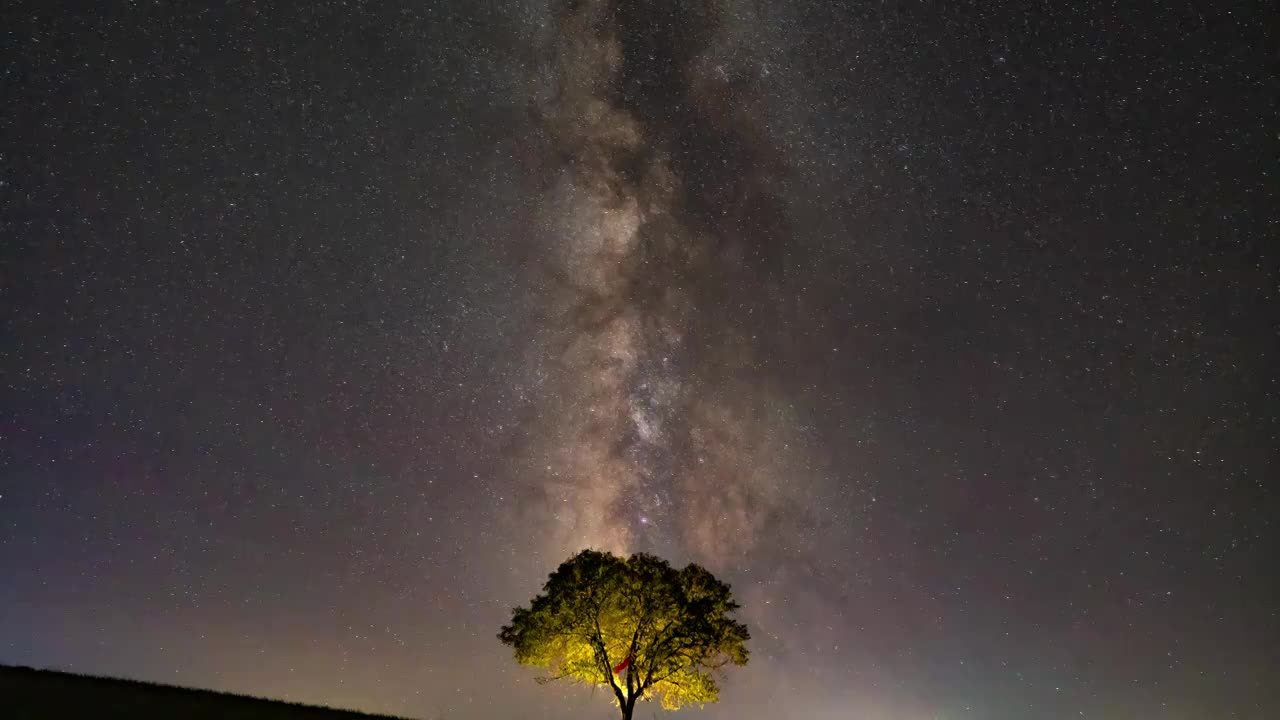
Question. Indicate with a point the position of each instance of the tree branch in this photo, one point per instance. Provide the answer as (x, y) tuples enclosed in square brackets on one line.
[(602, 657)]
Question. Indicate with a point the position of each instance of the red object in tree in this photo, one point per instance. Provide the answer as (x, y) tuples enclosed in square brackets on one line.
[(622, 665)]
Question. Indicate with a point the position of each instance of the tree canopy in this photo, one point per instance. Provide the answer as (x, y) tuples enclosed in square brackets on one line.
[(664, 631)]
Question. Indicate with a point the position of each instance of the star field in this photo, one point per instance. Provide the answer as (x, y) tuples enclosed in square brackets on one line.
[(944, 333)]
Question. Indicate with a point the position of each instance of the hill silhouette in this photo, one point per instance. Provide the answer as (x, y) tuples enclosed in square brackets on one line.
[(29, 694)]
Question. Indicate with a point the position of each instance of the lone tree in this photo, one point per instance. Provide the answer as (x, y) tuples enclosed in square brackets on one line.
[(635, 624)]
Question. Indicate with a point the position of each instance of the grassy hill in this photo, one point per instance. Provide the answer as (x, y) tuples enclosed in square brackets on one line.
[(27, 694)]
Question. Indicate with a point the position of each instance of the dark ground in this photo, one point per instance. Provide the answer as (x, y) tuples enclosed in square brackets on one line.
[(29, 694)]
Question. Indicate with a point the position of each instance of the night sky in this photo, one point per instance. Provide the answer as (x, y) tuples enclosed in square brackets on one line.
[(945, 332)]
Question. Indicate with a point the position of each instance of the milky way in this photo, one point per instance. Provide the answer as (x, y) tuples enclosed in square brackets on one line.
[(661, 240)]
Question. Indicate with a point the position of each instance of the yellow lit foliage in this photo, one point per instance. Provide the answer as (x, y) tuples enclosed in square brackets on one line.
[(597, 609)]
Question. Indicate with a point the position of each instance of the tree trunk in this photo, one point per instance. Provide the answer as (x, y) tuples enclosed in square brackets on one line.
[(627, 709)]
